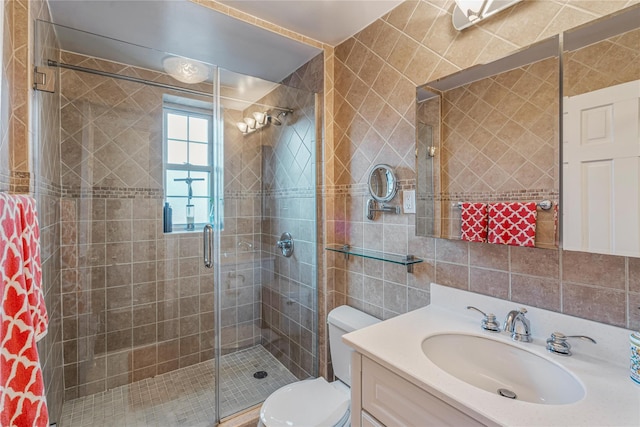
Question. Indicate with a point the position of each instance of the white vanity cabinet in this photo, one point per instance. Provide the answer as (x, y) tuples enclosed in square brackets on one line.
[(382, 398)]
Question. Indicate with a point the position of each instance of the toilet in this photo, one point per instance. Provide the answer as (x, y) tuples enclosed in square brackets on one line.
[(316, 402)]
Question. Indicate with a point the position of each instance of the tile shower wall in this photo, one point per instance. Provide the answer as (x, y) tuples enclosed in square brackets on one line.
[(135, 302), (46, 163), (376, 73), (241, 260), (29, 163), (16, 114), (289, 292), (5, 98)]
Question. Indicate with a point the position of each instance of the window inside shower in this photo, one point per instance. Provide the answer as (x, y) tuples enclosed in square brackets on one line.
[(188, 168)]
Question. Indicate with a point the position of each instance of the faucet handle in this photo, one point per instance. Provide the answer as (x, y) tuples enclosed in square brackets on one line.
[(489, 323), (558, 344)]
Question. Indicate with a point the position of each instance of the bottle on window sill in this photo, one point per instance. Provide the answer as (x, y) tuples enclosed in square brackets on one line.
[(191, 214), (167, 218)]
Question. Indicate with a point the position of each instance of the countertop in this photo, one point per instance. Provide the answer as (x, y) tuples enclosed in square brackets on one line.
[(611, 398)]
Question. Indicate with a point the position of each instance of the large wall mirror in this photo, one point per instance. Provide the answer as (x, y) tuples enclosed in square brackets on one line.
[(601, 139), (490, 134)]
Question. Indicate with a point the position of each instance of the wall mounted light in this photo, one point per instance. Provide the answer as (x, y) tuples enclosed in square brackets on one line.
[(251, 123), (186, 70), (469, 12), (261, 118), (244, 128)]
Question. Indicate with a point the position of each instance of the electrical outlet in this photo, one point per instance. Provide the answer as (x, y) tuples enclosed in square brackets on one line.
[(409, 201)]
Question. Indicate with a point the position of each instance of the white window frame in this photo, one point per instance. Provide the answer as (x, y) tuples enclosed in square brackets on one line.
[(183, 110)]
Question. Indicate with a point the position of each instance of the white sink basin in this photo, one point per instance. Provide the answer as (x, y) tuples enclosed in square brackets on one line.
[(502, 368)]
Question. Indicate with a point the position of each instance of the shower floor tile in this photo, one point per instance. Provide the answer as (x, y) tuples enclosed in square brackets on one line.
[(184, 397)]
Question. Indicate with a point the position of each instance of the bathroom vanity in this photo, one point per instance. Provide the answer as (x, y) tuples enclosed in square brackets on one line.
[(437, 366)]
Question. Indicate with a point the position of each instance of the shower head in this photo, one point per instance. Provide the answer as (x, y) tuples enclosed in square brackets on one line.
[(276, 120)]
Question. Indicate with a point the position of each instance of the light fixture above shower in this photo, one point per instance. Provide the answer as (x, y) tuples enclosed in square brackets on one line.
[(186, 70), (262, 118)]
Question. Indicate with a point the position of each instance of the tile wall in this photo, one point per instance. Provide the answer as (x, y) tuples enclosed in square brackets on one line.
[(135, 302), (5, 97), (46, 168), (376, 73), (289, 152), (29, 163), (607, 63), (414, 44), (18, 15), (241, 259)]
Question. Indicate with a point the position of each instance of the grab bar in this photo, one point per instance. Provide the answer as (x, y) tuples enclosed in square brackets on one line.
[(207, 238)]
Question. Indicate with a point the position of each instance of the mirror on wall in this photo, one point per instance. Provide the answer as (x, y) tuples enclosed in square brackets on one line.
[(383, 187), (382, 183), (601, 138), (490, 134)]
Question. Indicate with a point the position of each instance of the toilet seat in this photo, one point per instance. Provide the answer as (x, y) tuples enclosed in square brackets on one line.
[(307, 403)]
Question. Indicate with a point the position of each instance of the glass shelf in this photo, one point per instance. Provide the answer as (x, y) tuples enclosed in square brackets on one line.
[(406, 260)]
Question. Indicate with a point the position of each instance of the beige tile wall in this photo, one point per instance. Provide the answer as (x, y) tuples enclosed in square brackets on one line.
[(376, 72), (18, 76), (135, 302), (45, 155), (242, 263), (29, 163), (119, 349), (5, 98), (289, 175), (373, 75), (607, 63)]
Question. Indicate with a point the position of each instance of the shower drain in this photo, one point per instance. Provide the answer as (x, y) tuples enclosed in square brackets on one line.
[(507, 393), (260, 375)]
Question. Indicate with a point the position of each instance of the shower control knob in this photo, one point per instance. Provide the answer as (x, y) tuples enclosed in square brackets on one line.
[(285, 244)]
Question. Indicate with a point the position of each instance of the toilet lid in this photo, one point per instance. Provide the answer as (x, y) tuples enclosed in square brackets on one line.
[(305, 403)]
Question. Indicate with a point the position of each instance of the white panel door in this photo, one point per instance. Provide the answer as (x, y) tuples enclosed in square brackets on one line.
[(601, 165)]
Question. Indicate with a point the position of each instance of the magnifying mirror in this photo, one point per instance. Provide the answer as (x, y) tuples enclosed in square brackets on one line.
[(383, 184)]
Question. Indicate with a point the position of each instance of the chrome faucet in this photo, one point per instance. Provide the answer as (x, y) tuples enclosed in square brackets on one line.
[(510, 325)]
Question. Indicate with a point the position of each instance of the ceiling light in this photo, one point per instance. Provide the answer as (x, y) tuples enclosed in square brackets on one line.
[(186, 70)]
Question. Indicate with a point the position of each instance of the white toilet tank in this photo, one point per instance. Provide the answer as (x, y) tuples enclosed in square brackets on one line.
[(342, 320)]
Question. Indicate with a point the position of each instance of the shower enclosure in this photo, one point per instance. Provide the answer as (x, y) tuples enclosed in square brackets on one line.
[(146, 162)]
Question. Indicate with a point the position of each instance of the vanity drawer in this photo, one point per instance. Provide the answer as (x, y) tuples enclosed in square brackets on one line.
[(369, 421), (396, 402)]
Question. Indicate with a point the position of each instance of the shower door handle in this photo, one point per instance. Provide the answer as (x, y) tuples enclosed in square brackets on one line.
[(207, 238)]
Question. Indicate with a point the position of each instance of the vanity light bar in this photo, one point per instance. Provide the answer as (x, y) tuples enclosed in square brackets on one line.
[(544, 204)]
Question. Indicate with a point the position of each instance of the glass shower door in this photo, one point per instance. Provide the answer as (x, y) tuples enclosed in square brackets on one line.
[(137, 313), (266, 303)]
